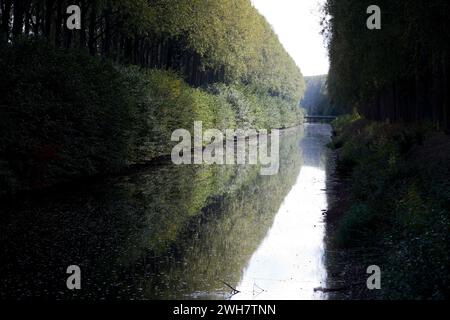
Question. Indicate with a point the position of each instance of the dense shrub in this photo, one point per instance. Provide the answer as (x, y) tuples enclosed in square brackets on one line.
[(254, 108), (399, 204), (62, 114), (65, 114)]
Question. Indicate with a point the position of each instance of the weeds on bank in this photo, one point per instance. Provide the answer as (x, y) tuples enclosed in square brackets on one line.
[(400, 203)]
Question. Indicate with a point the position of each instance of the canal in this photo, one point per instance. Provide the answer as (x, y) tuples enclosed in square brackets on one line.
[(177, 232)]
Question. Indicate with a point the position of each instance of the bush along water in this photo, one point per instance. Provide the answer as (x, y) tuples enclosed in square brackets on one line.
[(399, 204), (65, 114)]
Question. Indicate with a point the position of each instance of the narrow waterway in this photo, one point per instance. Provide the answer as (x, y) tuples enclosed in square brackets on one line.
[(289, 263), (177, 232)]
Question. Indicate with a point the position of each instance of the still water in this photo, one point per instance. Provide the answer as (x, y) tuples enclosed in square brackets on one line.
[(177, 232), (289, 263)]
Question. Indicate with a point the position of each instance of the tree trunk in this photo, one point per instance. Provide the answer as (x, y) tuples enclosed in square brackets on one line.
[(6, 13), (18, 11), (48, 17), (91, 38)]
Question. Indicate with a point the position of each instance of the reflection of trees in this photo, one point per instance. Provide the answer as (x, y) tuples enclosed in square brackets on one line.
[(314, 154), (217, 244), (160, 233)]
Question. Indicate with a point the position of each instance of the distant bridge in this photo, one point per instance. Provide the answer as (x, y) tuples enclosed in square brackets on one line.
[(311, 119)]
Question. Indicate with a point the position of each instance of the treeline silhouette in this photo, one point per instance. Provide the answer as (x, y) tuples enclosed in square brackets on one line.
[(399, 73)]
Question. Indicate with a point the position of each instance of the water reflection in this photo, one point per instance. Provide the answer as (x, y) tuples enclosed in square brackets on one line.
[(171, 231), (289, 264)]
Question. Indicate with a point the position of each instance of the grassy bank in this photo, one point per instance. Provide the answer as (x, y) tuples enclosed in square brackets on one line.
[(396, 208), (65, 114)]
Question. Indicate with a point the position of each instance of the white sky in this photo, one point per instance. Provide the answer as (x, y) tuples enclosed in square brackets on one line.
[(296, 23)]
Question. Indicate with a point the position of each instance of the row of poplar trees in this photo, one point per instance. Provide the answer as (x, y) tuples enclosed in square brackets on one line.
[(205, 40), (398, 73)]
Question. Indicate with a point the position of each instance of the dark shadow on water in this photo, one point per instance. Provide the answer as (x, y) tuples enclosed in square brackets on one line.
[(168, 232)]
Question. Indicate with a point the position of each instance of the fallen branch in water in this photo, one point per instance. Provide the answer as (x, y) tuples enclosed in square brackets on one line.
[(233, 290)]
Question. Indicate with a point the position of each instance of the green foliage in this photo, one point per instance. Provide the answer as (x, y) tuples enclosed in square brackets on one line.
[(162, 103), (231, 34), (62, 114), (256, 109), (396, 73), (341, 122), (206, 41), (399, 204), (357, 223), (66, 115)]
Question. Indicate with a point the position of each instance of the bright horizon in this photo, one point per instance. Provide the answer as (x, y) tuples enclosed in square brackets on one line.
[(297, 24)]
